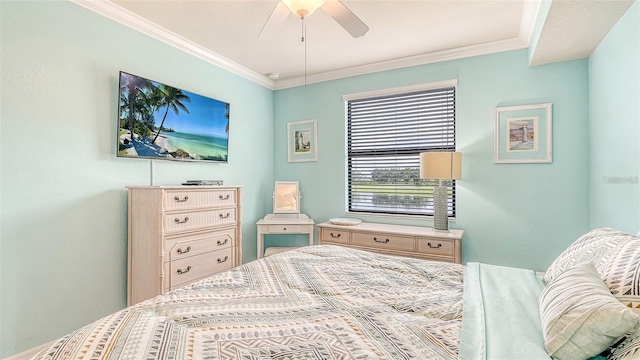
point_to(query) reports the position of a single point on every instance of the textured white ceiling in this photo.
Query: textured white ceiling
(402, 33)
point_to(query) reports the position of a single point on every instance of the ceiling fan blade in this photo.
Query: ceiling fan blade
(276, 19)
(347, 19)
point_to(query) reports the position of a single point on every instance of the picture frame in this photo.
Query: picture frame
(302, 140)
(523, 134)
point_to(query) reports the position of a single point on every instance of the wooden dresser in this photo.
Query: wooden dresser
(180, 234)
(414, 241)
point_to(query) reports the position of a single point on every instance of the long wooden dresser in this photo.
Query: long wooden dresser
(413, 241)
(180, 234)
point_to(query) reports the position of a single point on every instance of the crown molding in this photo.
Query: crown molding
(129, 19)
(528, 22)
(133, 21)
(440, 56)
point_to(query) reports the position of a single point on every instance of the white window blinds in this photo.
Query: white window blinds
(385, 136)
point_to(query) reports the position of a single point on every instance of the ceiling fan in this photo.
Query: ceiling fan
(303, 8)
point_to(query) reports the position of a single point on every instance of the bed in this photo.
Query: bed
(331, 302)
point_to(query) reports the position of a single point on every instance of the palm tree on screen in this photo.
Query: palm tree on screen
(134, 97)
(173, 99)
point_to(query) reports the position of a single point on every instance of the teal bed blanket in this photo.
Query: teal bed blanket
(500, 319)
(500, 314)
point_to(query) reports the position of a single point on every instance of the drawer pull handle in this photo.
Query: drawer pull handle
(220, 243)
(225, 216)
(177, 198)
(434, 247)
(180, 271)
(180, 251)
(380, 241)
(220, 261)
(225, 197)
(335, 236)
(178, 221)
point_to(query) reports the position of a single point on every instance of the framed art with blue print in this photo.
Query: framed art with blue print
(523, 134)
(302, 141)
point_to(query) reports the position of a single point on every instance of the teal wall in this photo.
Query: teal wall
(63, 230)
(614, 106)
(63, 202)
(513, 214)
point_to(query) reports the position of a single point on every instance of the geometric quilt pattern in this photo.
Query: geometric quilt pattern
(317, 302)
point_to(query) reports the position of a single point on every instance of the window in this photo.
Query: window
(386, 132)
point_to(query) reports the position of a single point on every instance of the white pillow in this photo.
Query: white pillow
(580, 317)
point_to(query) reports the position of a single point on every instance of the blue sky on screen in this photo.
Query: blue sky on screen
(206, 117)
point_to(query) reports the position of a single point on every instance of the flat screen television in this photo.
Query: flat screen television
(158, 121)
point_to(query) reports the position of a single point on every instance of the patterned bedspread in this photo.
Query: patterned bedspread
(319, 302)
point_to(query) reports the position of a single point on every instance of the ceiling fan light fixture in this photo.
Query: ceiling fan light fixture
(303, 8)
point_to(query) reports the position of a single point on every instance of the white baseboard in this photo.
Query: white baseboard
(29, 353)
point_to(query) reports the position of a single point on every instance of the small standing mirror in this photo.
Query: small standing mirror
(286, 198)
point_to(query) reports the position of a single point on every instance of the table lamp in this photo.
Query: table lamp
(440, 165)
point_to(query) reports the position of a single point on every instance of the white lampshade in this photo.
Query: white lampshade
(303, 8)
(441, 165)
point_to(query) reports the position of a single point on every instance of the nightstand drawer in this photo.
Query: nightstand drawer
(383, 241)
(334, 236)
(283, 229)
(179, 247)
(195, 267)
(198, 219)
(401, 240)
(436, 246)
(186, 199)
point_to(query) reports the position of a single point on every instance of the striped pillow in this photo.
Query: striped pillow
(591, 246)
(620, 270)
(629, 349)
(580, 317)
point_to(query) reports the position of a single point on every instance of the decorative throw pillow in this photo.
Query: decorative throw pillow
(580, 317)
(629, 349)
(591, 246)
(620, 270)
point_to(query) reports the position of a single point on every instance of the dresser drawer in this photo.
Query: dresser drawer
(195, 267)
(187, 199)
(188, 220)
(283, 229)
(382, 241)
(186, 228)
(179, 247)
(436, 246)
(334, 236)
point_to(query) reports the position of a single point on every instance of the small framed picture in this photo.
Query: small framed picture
(302, 139)
(522, 134)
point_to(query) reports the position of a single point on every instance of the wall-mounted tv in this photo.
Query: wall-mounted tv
(158, 121)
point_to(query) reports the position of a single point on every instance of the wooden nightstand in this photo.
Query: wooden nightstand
(301, 224)
(414, 241)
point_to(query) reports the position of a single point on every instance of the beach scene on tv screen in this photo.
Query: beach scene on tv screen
(160, 121)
